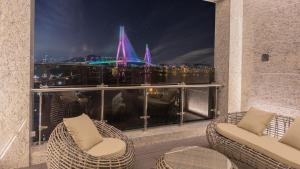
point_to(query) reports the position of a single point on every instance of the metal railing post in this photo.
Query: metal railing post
(182, 98)
(102, 103)
(40, 116)
(216, 103)
(182, 101)
(145, 115)
(145, 109)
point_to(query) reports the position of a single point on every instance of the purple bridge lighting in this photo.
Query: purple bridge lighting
(147, 58)
(126, 53)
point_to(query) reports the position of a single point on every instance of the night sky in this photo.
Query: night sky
(177, 31)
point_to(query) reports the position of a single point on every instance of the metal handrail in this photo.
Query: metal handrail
(47, 89)
(102, 88)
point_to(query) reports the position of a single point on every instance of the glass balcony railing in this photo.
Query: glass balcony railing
(125, 107)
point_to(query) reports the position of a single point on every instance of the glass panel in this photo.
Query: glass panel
(163, 106)
(198, 104)
(35, 118)
(123, 109)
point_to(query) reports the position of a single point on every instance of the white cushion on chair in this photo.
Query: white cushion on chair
(83, 131)
(109, 147)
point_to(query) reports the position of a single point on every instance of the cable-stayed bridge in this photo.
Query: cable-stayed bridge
(126, 54)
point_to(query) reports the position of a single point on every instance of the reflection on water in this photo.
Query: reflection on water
(67, 74)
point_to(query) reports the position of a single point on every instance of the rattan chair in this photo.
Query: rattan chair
(63, 153)
(241, 153)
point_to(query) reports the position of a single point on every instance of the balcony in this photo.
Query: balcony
(158, 125)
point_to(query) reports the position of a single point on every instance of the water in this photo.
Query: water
(85, 75)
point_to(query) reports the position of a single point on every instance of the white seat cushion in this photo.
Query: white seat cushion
(83, 131)
(266, 145)
(109, 147)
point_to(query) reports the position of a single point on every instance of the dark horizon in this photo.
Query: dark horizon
(176, 31)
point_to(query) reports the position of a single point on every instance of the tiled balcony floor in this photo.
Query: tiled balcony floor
(146, 156)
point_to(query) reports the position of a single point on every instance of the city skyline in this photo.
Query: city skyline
(176, 32)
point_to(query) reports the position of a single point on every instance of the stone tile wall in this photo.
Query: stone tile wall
(267, 27)
(271, 27)
(15, 44)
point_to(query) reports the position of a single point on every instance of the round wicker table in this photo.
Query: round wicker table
(194, 157)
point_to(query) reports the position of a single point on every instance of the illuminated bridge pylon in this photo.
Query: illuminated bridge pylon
(125, 53)
(147, 58)
(121, 60)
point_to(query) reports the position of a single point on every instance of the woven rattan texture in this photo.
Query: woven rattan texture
(63, 153)
(241, 153)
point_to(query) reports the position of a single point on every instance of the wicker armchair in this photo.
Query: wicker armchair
(63, 152)
(241, 153)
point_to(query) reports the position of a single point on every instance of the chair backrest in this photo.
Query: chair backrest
(235, 118)
(277, 127)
